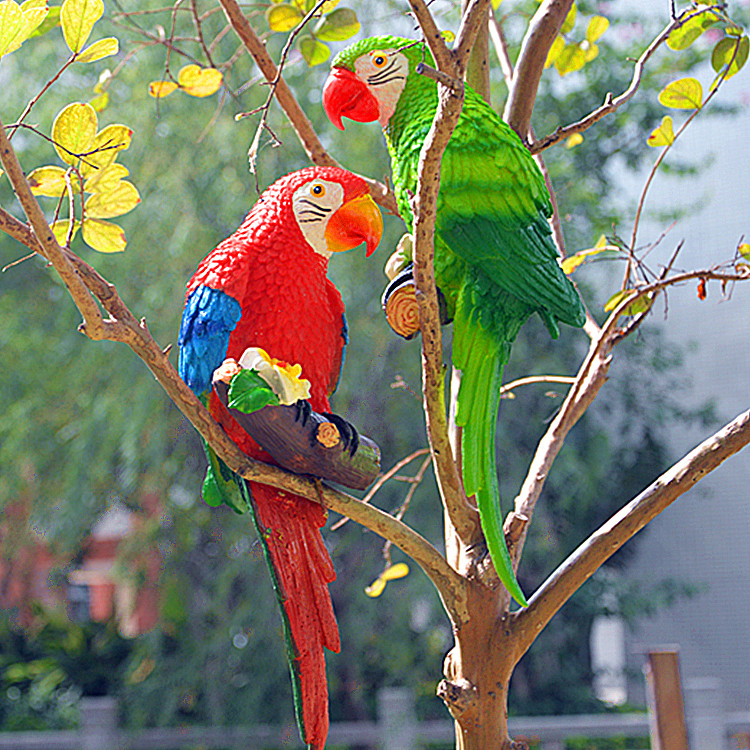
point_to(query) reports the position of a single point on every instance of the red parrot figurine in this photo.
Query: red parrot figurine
(266, 287)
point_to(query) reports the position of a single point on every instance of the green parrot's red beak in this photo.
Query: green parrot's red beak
(357, 221)
(344, 95)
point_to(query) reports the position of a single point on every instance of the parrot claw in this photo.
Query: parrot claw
(348, 432)
(303, 411)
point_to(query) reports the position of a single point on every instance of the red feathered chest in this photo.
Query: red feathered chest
(289, 307)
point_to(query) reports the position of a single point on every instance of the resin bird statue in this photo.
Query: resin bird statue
(265, 291)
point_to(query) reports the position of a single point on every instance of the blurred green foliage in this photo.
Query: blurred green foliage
(85, 425)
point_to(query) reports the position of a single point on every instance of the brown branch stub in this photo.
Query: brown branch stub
(603, 543)
(460, 698)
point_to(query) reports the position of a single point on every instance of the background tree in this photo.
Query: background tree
(77, 428)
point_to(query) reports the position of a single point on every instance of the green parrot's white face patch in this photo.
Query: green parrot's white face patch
(313, 204)
(384, 73)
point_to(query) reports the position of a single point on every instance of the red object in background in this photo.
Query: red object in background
(31, 572)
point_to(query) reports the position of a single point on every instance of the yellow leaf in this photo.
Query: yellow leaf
(312, 50)
(554, 51)
(109, 141)
(572, 262)
(100, 101)
(571, 58)
(596, 28)
(687, 93)
(376, 588)
(573, 140)
(591, 50)
(123, 198)
(399, 570)
(77, 18)
(198, 81)
(104, 236)
(496, 4)
(18, 22)
(49, 181)
(73, 131)
(283, 17)
(60, 229)
(105, 180)
(744, 250)
(98, 50)
(663, 135)
(570, 20)
(160, 89)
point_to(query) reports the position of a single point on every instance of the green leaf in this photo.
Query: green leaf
(663, 135)
(312, 50)
(211, 493)
(640, 305)
(17, 23)
(100, 101)
(51, 21)
(73, 131)
(683, 36)
(596, 28)
(50, 181)
(77, 18)
(283, 17)
(744, 250)
(123, 198)
(248, 392)
(337, 26)
(730, 55)
(686, 93)
(570, 20)
(104, 236)
(98, 50)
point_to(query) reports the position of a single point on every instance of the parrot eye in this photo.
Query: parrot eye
(378, 59)
(318, 190)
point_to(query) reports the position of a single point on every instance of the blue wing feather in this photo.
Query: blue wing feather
(209, 317)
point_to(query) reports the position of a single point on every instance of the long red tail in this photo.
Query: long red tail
(289, 527)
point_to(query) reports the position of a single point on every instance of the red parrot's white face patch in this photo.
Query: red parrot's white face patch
(384, 73)
(313, 204)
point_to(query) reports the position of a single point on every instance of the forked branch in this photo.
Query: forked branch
(604, 542)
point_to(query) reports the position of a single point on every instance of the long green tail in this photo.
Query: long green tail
(481, 358)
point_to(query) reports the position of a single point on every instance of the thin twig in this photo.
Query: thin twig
(382, 479)
(298, 119)
(612, 103)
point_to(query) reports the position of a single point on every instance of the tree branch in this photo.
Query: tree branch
(603, 543)
(543, 28)
(610, 103)
(450, 101)
(590, 378)
(298, 119)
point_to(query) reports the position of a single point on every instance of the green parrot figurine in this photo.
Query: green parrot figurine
(495, 260)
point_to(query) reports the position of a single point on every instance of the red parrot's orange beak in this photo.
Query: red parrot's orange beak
(344, 95)
(357, 221)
